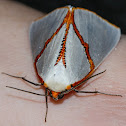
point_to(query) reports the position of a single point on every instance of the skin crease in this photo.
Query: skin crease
(24, 109)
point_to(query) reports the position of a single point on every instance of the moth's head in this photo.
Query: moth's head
(56, 95)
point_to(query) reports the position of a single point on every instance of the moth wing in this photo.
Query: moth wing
(100, 35)
(42, 29)
(77, 64)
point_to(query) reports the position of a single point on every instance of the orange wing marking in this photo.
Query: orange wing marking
(67, 20)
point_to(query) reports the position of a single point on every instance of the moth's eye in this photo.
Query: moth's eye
(60, 96)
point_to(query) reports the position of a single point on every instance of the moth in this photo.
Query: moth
(68, 45)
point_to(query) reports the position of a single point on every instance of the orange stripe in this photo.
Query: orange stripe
(86, 46)
(83, 43)
(63, 49)
(46, 43)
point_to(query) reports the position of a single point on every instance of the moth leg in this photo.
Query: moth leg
(26, 91)
(46, 103)
(95, 92)
(23, 78)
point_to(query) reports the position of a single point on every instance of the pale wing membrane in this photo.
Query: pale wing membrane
(101, 36)
(53, 76)
(77, 64)
(48, 58)
(41, 30)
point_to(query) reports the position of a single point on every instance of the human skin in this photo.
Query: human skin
(24, 109)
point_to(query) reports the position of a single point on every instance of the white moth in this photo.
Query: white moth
(68, 45)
